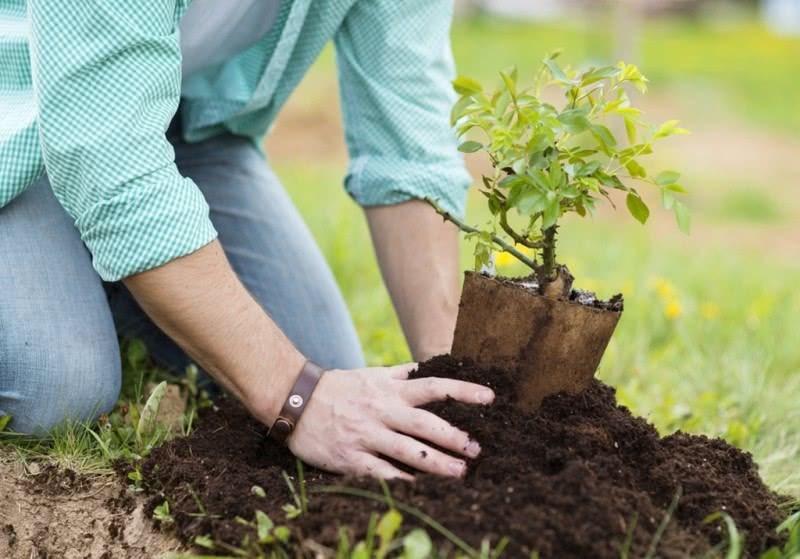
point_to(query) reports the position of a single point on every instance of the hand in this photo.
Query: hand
(356, 416)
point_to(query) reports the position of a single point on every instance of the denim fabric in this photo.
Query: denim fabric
(59, 355)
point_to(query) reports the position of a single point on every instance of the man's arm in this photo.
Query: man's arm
(418, 255)
(199, 302)
(395, 68)
(354, 418)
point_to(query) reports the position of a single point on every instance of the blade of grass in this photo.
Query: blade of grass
(354, 492)
(651, 551)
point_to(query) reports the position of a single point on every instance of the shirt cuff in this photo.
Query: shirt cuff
(152, 221)
(381, 181)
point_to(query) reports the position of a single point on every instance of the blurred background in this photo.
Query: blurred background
(710, 339)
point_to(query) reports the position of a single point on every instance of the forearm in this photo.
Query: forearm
(418, 256)
(199, 302)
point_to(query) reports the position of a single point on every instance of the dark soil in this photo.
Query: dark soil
(577, 296)
(53, 480)
(570, 480)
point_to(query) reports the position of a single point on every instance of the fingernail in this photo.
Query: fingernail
(473, 449)
(485, 396)
(457, 468)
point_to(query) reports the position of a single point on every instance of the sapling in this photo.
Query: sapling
(548, 161)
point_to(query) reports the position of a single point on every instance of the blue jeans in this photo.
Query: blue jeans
(59, 322)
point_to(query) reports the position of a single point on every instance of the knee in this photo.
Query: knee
(72, 381)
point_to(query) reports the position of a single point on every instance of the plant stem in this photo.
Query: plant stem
(519, 239)
(549, 255)
(495, 239)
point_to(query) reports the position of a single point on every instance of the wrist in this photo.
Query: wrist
(266, 395)
(435, 333)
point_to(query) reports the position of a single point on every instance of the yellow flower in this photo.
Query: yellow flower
(663, 288)
(709, 311)
(673, 309)
(504, 259)
(763, 305)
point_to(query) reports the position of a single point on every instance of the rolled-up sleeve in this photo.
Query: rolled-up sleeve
(395, 67)
(106, 81)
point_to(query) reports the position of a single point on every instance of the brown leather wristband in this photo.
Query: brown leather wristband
(296, 401)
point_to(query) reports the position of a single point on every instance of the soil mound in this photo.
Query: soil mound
(581, 477)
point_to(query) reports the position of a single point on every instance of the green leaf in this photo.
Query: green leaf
(667, 177)
(147, 420)
(417, 545)
(459, 108)
(510, 181)
(4, 422)
(538, 178)
(556, 71)
(470, 146)
(637, 207)
(575, 120)
(466, 86)
(552, 211)
(669, 128)
(635, 169)
(530, 202)
(387, 528)
(587, 169)
(510, 82)
(360, 551)
(598, 74)
(604, 135)
(204, 541)
(667, 199)
(258, 491)
(682, 217)
(556, 175)
(161, 512)
(282, 533)
(630, 129)
(264, 525)
(675, 188)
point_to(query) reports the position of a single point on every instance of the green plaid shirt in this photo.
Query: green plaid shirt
(88, 88)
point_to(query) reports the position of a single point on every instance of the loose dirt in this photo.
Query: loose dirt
(49, 513)
(578, 478)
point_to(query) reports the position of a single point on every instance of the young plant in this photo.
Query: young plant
(548, 161)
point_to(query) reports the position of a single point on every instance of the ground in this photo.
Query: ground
(47, 513)
(709, 340)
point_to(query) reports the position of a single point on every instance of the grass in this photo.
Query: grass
(709, 341)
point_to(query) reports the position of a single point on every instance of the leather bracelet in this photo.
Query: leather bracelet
(296, 402)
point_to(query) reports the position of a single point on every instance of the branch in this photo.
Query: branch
(519, 239)
(468, 229)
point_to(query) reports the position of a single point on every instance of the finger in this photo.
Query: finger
(401, 372)
(419, 456)
(424, 425)
(422, 391)
(369, 465)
